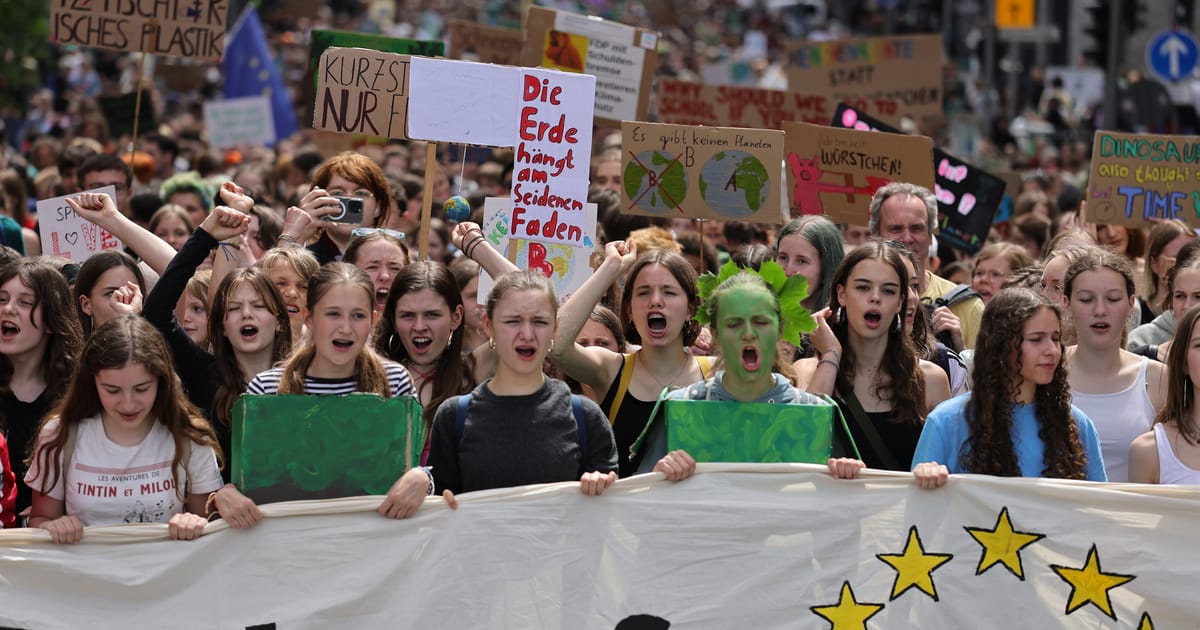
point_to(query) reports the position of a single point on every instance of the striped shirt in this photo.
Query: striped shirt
(268, 382)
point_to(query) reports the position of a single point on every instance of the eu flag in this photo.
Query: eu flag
(250, 70)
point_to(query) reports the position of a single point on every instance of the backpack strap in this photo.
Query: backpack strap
(68, 452)
(960, 293)
(460, 417)
(858, 416)
(623, 380)
(706, 366)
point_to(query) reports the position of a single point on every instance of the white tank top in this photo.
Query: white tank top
(1119, 418)
(1170, 469)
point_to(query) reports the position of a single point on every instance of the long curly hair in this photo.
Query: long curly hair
(119, 342)
(452, 375)
(902, 382)
(231, 382)
(996, 373)
(60, 321)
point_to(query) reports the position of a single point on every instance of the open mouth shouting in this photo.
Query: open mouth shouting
(381, 296)
(9, 330)
(342, 345)
(873, 319)
(751, 360)
(420, 345)
(656, 323)
(293, 310)
(527, 352)
(249, 332)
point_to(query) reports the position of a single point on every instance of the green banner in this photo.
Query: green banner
(721, 431)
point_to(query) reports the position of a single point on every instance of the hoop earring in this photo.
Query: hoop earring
(551, 344)
(492, 343)
(837, 315)
(899, 325)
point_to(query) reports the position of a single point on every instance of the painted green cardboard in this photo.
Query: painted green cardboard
(292, 447)
(722, 431)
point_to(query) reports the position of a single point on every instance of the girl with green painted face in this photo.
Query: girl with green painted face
(745, 313)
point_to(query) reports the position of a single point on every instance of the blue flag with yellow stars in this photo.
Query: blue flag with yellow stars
(250, 70)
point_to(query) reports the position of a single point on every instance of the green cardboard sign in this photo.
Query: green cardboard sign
(291, 447)
(725, 431)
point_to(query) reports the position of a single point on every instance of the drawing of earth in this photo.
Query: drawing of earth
(734, 184)
(656, 181)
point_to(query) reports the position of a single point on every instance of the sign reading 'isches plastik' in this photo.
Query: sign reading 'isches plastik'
(701, 172)
(904, 69)
(179, 28)
(361, 91)
(836, 171)
(1136, 178)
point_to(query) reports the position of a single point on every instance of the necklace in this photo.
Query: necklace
(421, 377)
(670, 384)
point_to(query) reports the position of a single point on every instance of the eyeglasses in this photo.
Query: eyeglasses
(366, 231)
(120, 186)
(358, 194)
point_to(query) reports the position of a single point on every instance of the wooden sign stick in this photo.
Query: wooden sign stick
(427, 200)
(137, 105)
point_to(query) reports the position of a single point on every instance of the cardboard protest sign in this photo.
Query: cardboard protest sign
(836, 171)
(463, 102)
(486, 44)
(1138, 177)
(291, 447)
(239, 121)
(893, 76)
(690, 103)
(362, 91)
(183, 76)
(65, 233)
(119, 112)
(701, 172)
(553, 146)
(567, 266)
(178, 28)
(968, 197)
(322, 40)
(622, 58)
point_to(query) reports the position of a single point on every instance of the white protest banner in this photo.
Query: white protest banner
(553, 148)
(179, 28)
(239, 121)
(735, 546)
(567, 266)
(69, 235)
(463, 102)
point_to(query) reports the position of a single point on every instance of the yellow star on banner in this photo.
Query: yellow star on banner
(1002, 544)
(914, 567)
(847, 614)
(1090, 585)
(1146, 623)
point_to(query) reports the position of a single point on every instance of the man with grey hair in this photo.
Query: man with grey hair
(908, 213)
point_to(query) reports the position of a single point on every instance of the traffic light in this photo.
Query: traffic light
(1098, 30)
(1184, 10)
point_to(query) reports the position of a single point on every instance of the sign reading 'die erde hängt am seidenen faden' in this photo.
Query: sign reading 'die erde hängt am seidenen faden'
(550, 167)
(1137, 178)
(179, 28)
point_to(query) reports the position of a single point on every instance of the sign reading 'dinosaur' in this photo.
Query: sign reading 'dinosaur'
(836, 171)
(622, 58)
(179, 28)
(701, 172)
(65, 233)
(906, 69)
(1137, 178)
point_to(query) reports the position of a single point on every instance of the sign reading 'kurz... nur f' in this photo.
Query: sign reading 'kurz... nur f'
(178, 28)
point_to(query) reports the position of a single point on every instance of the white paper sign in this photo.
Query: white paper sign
(614, 58)
(463, 102)
(567, 266)
(553, 148)
(69, 235)
(239, 121)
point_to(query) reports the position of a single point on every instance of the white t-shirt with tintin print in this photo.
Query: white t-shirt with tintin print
(110, 484)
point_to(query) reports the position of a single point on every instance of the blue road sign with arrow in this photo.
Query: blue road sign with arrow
(1172, 55)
